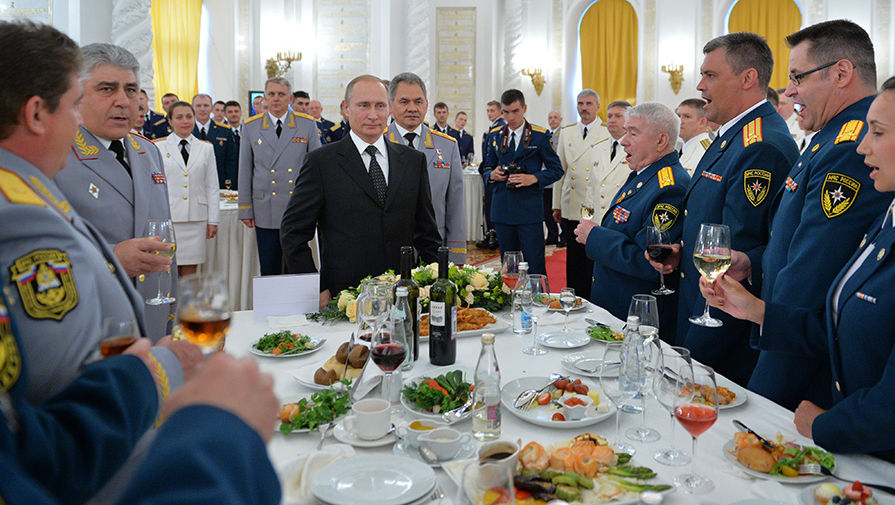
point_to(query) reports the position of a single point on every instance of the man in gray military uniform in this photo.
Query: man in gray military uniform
(116, 180)
(271, 153)
(64, 277)
(407, 100)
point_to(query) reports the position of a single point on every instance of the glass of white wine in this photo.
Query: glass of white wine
(712, 258)
(204, 310)
(588, 207)
(164, 230)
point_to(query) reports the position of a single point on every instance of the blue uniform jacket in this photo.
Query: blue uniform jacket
(494, 124)
(226, 152)
(859, 344)
(335, 132)
(827, 199)
(734, 184)
(323, 126)
(156, 124)
(464, 142)
(651, 198)
(534, 150)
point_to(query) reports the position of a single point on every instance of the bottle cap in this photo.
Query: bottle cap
(487, 338)
(401, 291)
(523, 264)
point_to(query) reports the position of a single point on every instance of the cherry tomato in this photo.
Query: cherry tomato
(558, 417)
(543, 398)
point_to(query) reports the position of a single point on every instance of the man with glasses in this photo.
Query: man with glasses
(826, 204)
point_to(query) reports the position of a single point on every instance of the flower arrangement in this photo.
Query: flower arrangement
(476, 287)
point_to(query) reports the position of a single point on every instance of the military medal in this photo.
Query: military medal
(865, 297)
(620, 214)
(259, 142)
(93, 190)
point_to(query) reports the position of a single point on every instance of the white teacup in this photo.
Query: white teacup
(371, 419)
(501, 452)
(411, 431)
(444, 442)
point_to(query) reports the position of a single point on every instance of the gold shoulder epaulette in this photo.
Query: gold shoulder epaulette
(666, 177)
(752, 132)
(160, 121)
(207, 142)
(141, 136)
(253, 118)
(302, 114)
(222, 125)
(442, 135)
(492, 130)
(16, 190)
(705, 143)
(539, 129)
(160, 139)
(850, 131)
(335, 127)
(569, 125)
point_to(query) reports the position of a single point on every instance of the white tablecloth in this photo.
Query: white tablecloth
(234, 252)
(731, 485)
(473, 188)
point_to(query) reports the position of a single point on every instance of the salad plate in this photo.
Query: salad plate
(421, 403)
(729, 453)
(542, 415)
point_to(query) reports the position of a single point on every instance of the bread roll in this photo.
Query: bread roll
(358, 356)
(342, 353)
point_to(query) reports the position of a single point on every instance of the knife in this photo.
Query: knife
(742, 427)
(350, 346)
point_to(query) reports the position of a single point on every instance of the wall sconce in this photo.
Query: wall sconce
(537, 78)
(675, 76)
(281, 63)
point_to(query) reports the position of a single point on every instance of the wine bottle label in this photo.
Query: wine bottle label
(454, 322)
(436, 313)
(493, 412)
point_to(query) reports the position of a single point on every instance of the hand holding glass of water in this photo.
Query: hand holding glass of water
(712, 258)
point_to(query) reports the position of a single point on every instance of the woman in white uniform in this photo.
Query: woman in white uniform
(192, 187)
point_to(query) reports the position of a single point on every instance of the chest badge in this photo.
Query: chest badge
(837, 194)
(620, 215)
(45, 283)
(879, 256)
(93, 190)
(791, 185)
(757, 184)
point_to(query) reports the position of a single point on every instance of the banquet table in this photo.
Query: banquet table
(473, 189)
(730, 484)
(234, 252)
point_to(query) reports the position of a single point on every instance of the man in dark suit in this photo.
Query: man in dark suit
(489, 241)
(464, 140)
(364, 196)
(226, 150)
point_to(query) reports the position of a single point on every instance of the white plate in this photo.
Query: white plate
(375, 480)
(541, 414)
(498, 326)
(559, 340)
(346, 436)
(317, 341)
(467, 377)
(305, 377)
(728, 451)
(411, 451)
(591, 359)
(574, 309)
(740, 392)
(806, 496)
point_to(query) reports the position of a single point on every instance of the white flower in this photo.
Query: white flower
(470, 298)
(506, 289)
(424, 292)
(344, 298)
(433, 267)
(351, 310)
(479, 281)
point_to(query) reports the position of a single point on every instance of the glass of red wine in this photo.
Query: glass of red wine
(388, 350)
(658, 248)
(509, 268)
(696, 409)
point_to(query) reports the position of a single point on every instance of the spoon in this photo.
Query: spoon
(428, 456)
(452, 416)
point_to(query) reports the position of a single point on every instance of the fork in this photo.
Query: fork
(816, 469)
(323, 434)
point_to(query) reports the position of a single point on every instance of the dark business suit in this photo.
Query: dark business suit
(226, 152)
(334, 195)
(464, 142)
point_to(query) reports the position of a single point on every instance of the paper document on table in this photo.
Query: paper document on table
(285, 295)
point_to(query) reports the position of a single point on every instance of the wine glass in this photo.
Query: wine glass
(643, 360)
(669, 386)
(485, 483)
(712, 258)
(696, 417)
(567, 300)
(374, 303)
(388, 350)
(509, 268)
(646, 309)
(204, 310)
(118, 335)
(588, 208)
(164, 230)
(658, 248)
(540, 302)
(617, 386)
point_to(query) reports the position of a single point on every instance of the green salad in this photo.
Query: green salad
(323, 407)
(794, 455)
(439, 394)
(284, 343)
(605, 333)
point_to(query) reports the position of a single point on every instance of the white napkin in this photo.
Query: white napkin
(287, 322)
(297, 475)
(772, 490)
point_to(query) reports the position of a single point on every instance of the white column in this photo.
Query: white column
(417, 40)
(132, 29)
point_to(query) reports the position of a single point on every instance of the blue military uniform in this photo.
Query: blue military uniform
(733, 184)
(464, 143)
(518, 214)
(157, 127)
(486, 196)
(335, 132)
(323, 126)
(827, 196)
(226, 152)
(651, 198)
(856, 334)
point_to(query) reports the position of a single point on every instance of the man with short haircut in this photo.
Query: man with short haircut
(734, 184)
(441, 113)
(651, 196)
(259, 105)
(464, 140)
(234, 118)
(273, 147)
(694, 132)
(489, 241)
(519, 164)
(789, 115)
(580, 152)
(554, 121)
(554, 231)
(773, 97)
(153, 121)
(217, 112)
(315, 109)
(168, 99)
(613, 163)
(226, 150)
(364, 196)
(300, 101)
(116, 180)
(408, 105)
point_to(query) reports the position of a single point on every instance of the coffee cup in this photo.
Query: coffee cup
(371, 419)
(411, 432)
(444, 442)
(500, 452)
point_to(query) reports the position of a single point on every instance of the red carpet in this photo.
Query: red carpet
(556, 269)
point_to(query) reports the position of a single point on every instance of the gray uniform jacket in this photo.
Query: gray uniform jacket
(120, 206)
(446, 184)
(64, 280)
(269, 166)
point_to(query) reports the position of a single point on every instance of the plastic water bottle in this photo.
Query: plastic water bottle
(522, 302)
(486, 395)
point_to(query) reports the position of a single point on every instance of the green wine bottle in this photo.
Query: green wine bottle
(413, 299)
(443, 315)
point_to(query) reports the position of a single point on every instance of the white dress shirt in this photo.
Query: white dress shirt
(381, 153)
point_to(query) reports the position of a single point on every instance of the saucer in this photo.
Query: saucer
(468, 450)
(346, 436)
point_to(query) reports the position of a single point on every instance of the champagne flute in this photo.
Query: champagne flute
(388, 351)
(658, 248)
(164, 230)
(669, 386)
(712, 258)
(643, 359)
(204, 310)
(509, 268)
(615, 383)
(696, 418)
(540, 302)
(567, 300)
(588, 207)
(118, 335)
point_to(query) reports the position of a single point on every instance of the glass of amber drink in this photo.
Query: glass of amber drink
(204, 310)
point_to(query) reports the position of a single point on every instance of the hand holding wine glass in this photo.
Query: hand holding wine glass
(659, 249)
(118, 335)
(164, 230)
(711, 255)
(204, 311)
(696, 417)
